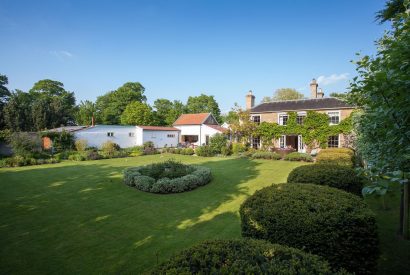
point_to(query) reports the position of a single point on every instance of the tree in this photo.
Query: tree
(4, 97)
(203, 104)
(111, 105)
(137, 113)
(287, 94)
(391, 10)
(383, 129)
(17, 112)
(341, 96)
(85, 113)
(168, 111)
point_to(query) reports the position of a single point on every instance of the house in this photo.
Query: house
(196, 129)
(277, 111)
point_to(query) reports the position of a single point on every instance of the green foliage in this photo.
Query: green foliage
(391, 10)
(5, 135)
(266, 155)
(85, 112)
(135, 151)
(226, 150)
(242, 257)
(4, 98)
(337, 176)
(149, 148)
(217, 142)
(24, 144)
(337, 156)
(287, 94)
(203, 104)
(296, 156)
(111, 105)
(167, 177)
(167, 111)
(137, 113)
(81, 144)
(109, 148)
(61, 140)
(181, 151)
(321, 220)
(204, 151)
(238, 148)
(17, 161)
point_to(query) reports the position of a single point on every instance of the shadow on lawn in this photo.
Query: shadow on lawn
(86, 205)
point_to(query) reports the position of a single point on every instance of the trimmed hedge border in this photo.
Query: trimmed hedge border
(196, 176)
(296, 156)
(339, 156)
(337, 176)
(242, 257)
(321, 220)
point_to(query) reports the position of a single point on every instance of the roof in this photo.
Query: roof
(192, 119)
(301, 104)
(67, 129)
(158, 128)
(217, 127)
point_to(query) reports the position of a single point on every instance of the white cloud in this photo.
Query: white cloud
(61, 54)
(332, 79)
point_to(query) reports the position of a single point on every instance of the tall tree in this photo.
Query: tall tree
(4, 97)
(391, 10)
(17, 112)
(168, 111)
(85, 111)
(341, 96)
(137, 113)
(287, 94)
(203, 104)
(111, 105)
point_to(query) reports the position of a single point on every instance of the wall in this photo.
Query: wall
(161, 139)
(97, 135)
(197, 130)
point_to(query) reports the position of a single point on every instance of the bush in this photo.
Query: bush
(18, 161)
(217, 142)
(226, 151)
(204, 151)
(109, 148)
(149, 148)
(238, 148)
(242, 257)
(167, 177)
(318, 219)
(81, 145)
(187, 151)
(135, 151)
(76, 157)
(25, 144)
(337, 176)
(339, 156)
(295, 156)
(265, 155)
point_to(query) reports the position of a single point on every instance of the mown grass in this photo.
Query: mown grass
(78, 217)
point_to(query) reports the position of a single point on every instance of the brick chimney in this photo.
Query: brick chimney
(313, 89)
(250, 100)
(320, 93)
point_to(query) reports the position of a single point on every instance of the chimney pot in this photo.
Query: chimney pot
(313, 88)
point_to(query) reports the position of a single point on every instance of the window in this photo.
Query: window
(299, 119)
(131, 134)
(171, 135)
(334, 117)
(283, 119)
(333, 142)
(282, 141)
(256, 119)
(256, 141)
(110, 134)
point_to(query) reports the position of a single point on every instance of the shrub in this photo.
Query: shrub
(18, 161)
(238, 148)
(149, 148)
(336, 176)
(135, 151)
(187, 151)
(167, 177)
(109, 148)
(296, 156)
(339, 156)
(265, 155)
(226, 151)
(217, 142)
(64, 155)
(319, 219)
(76, 157)
(25, 144)
(81, 145)
(242, 257)
(204, 151)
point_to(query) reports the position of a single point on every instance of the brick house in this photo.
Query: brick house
(277, 111)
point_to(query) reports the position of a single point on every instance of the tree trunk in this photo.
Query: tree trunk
(406, 197)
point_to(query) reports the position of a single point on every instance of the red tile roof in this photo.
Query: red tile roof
(191, 119)
(158, 128)
(217, 127)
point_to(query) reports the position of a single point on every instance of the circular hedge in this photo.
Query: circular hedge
(318, 219)
(337, 176)
(167, 177)
(242, 257)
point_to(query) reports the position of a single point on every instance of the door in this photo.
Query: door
(301, 146)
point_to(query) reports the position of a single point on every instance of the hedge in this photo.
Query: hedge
(242, 257)
(181, 151)
(265, 155)
(296, 156)
(338, 156)
(204, 151)
(321, 220)
(337, 176)
(167, 177)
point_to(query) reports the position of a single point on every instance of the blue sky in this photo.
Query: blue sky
(181, 48)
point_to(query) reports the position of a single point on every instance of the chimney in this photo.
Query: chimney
(313, 88)
(320, 94)
(250, 100)
(92, 121)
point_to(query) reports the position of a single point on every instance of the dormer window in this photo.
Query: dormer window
(334, 117)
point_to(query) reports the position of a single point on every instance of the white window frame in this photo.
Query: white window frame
(303, 114)
(253, 118)
(338, 113)
(281, 115)
(282, 141)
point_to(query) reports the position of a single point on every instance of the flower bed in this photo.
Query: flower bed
(167, 177)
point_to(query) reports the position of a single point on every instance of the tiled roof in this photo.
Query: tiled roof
(301, 104)
(217, 127)
(158, 128)
(191, 119)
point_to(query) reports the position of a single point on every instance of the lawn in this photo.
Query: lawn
(78, 217)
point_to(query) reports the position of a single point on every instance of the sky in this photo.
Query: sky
(182, 48)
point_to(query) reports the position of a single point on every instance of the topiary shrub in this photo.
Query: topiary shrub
(338, 156)
(167, 177)
(204, 151)
(337, 176)
(265, 155)
(321, 220)
(296, 156)
(242, 257)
